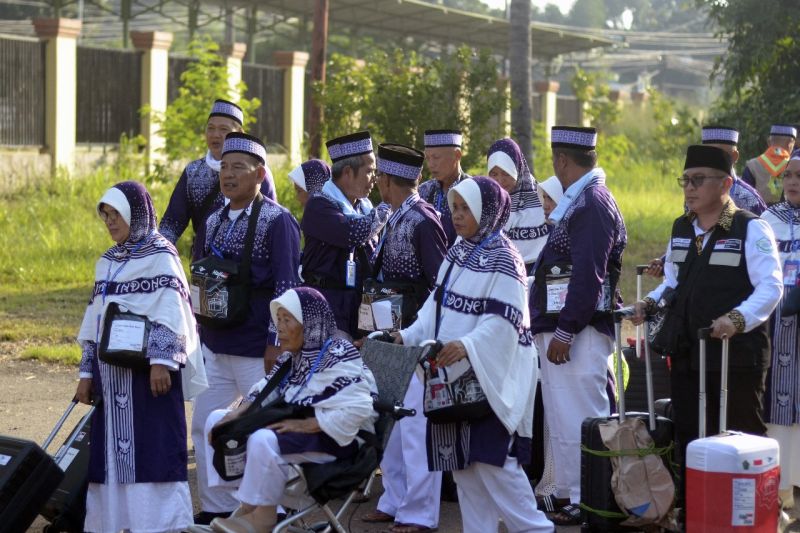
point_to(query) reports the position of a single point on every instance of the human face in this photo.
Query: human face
(503, 178)
(356, 185)
(791, 183)
(115, 224)
(443, 161)
(216, 130)
(384, 187)
(548, 204)
(560, 164)
(300, 194)
(463, 220)
(240, 177)
(290, 331)
(782, 141)
(704, 188)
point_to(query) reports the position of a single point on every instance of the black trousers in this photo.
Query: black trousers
(745, 403)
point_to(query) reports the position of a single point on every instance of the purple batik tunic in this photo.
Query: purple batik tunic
(431, 192)
(273, 270)
(746, 197)
(195, 184)
(415, 244)
(590, 237)
(330, 237)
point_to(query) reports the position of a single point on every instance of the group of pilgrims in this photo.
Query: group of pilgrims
(516, 277)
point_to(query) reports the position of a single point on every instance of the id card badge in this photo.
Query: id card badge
(604, 302)
(557, 286)
(791, 273)
(194, 292)
(350, 273)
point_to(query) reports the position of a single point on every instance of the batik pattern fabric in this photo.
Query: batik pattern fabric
(415, 243)
(746, 197)
(782, 400)
(431, 191)
(273, 270)
(335, 382)
(526, 226)
(591, 236)
(197, 181)
(484, 307)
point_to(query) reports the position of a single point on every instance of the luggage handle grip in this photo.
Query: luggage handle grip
(641, 268)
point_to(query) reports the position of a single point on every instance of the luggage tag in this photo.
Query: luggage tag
(557, 284)
(194, 293)
(791, 273)
(350, 272)
(604, 302)
(366, 321)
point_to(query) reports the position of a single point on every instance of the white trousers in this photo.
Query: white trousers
(411, 492)
(488, 493)
(266, 471)
(572, 392)
(229, 378)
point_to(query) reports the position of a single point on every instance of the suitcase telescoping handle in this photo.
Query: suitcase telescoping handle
(703, 334)
(618, 316)
(639, 329)
(77, 431)
(648, 372)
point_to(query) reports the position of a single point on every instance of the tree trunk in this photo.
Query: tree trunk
(519, 54)
(319, 41)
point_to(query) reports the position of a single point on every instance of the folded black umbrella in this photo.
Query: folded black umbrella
(791, 305)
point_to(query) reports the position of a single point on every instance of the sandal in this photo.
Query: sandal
(550, 504)
(237, 524)
(409, 528)
(569, 515)
(377, 517)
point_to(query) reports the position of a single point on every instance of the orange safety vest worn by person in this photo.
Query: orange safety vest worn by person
(764, 172)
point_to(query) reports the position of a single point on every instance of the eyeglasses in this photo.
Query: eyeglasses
(113, 216)
(696, 181)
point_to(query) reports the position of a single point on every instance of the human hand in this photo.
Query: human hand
(84, 392)
(398, 339)
(296, 425)
(723, 327)
(558, 352)
(452, 352)
(655, 268)
(160, 380)
(639, 313)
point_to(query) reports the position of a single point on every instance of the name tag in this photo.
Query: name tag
(725, 258)
(678, 242)
(126, 335)
(791, 273)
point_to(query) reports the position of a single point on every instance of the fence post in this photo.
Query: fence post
(155, 73)
(548, 91)
(60, 100)
(234, 53)
(294, 79)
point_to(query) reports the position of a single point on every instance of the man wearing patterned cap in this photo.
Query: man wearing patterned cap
(308, 178)
(764, 172)
(341, 227)
(406, 261)
(443, 155)
(250, 234)
(722, 263)
(197, 193)
(573, 295)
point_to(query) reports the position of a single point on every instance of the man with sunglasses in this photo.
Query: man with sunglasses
(722, 263)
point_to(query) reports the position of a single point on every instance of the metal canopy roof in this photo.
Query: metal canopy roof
(423, 20)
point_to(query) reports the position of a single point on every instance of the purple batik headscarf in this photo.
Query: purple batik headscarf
(489, 203)
(311, 175)
(507, 155)
(312, 310)
(133, 202)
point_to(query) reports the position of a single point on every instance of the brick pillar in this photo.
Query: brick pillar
(294, 79)
(60, 99)
(619, 97)
(234, 53)
(155, 73)
(639, 98)
(547, 91)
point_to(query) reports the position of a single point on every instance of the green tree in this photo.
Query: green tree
(588, 13)
(206, 79)
(760, 74)
(592, 90)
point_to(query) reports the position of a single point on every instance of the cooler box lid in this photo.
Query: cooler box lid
(736, 453)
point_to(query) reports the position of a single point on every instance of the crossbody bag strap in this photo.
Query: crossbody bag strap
(250, 236)
(271, 385)
(439, 299)
(208, 201)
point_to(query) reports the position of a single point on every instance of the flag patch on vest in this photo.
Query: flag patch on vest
(730, 245)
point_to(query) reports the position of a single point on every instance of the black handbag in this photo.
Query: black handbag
(125, 337)
(221, 287)
(665, 324)
(229, 439)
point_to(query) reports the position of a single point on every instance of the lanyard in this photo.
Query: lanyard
(475, 250)
(218, 251)
(314, 368)
(110, 279)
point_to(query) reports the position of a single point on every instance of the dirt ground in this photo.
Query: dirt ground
(36, 394)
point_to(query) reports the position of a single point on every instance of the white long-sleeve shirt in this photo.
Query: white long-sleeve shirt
(763, 268)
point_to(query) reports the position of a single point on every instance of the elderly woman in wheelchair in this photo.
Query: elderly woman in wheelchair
(322, 385)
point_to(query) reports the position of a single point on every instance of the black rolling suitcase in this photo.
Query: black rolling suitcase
(600, 509)
(66, 507)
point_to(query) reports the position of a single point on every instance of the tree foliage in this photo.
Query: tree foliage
(592, 90)
(398, 95)
(206, 79)
(760, 74)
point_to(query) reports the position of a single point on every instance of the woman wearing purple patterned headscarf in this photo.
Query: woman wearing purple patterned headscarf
(526, 225)
(326, 373)
(479, 312)
(138, 455)
(308, 178)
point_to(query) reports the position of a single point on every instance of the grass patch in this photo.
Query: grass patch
(67, 354)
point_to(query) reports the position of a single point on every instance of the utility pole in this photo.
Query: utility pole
(319, 42)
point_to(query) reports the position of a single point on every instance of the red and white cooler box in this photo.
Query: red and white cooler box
(732, 484)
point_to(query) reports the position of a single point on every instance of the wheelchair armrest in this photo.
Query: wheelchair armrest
(395, 410)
